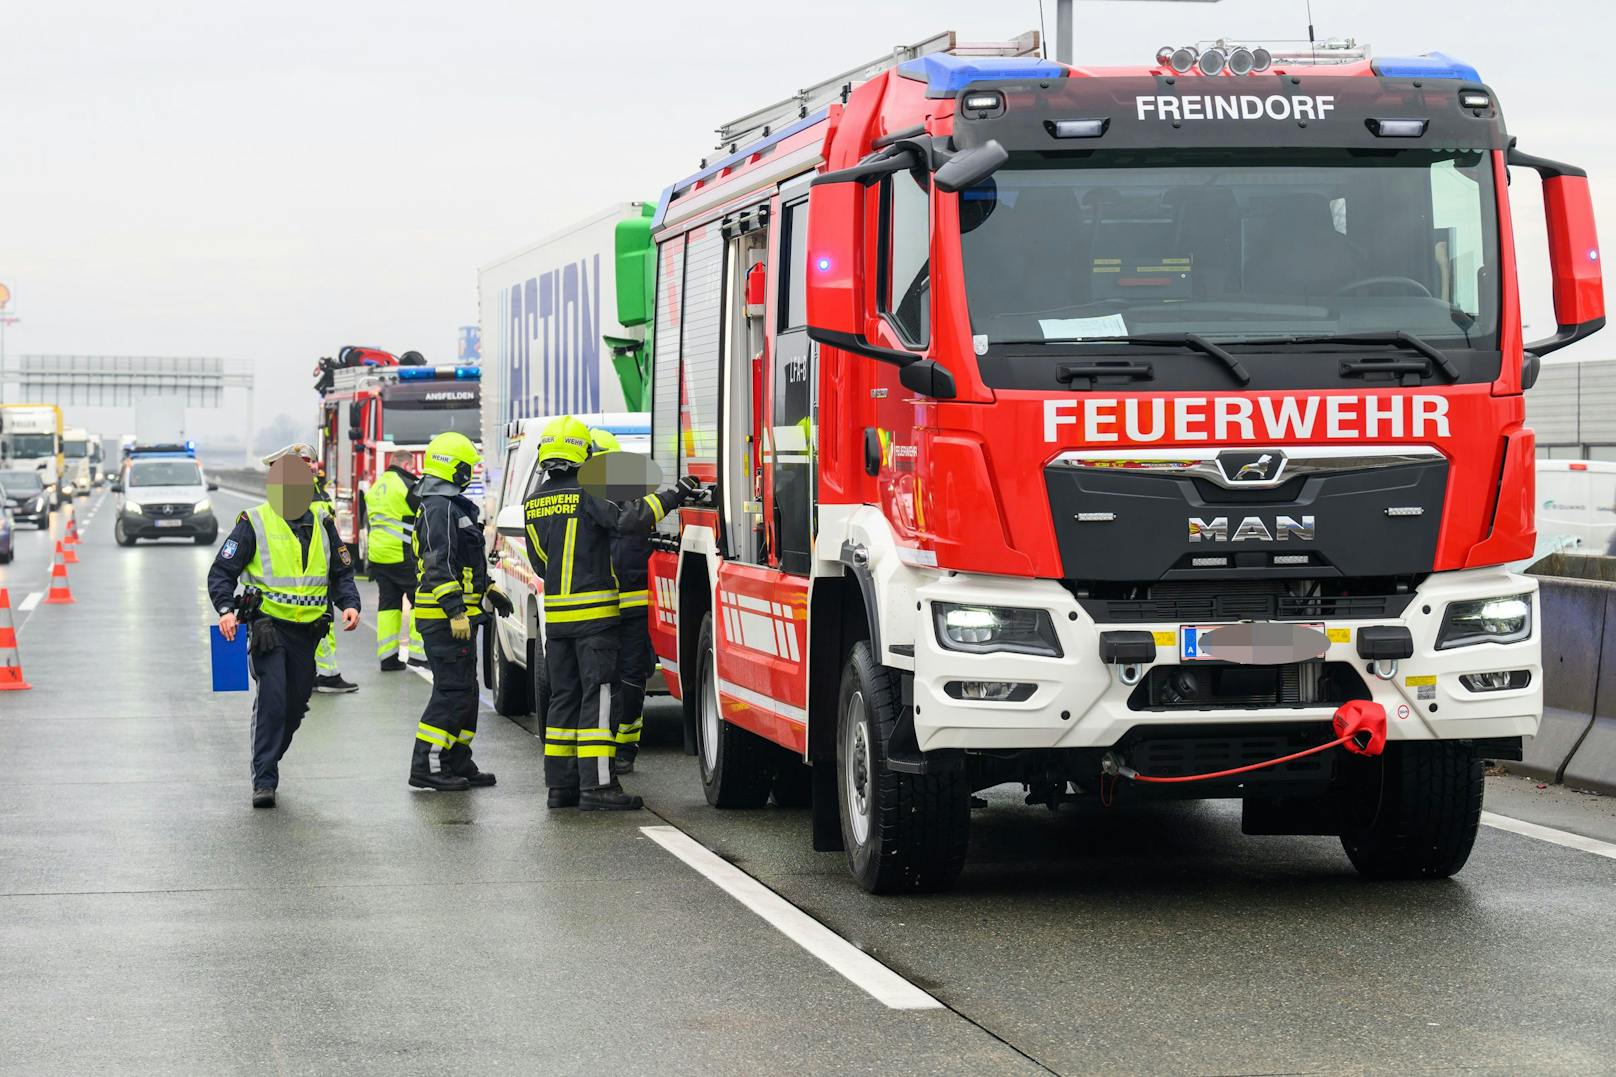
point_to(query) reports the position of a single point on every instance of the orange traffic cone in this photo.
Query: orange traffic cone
(10, 658)
(59, 592)
(70, 552)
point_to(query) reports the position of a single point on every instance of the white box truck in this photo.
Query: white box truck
(31, 440)
(552, 342)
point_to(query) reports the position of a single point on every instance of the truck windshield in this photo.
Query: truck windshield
(417, 426)
(1234, 245)
(25, 446)
(75, 450)
(164, 473)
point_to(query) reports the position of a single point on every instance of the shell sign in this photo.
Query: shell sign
(5, 296)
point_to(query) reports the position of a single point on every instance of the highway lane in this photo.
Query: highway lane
(364, 928)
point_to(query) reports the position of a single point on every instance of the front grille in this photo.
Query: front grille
(171, 511)
(1232, 600)
(1207, 686)
(1176, 753)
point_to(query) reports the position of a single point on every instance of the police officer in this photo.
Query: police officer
(448, 542)
(569, 539)
(328, 676)
(290, 555)
(390, 508)
(631, 559)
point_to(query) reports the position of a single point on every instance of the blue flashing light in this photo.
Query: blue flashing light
(675, 190)
(946, 74)
(1431, 65)
(822, 264)
(417, 373)
(468, 373)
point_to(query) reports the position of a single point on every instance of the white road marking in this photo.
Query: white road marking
(864, 971)
(30, 602)
(1549, 834)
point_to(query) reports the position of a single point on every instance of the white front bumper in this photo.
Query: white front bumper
(1079, 702)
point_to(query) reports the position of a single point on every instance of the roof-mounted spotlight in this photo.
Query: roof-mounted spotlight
(1182, 59)
(1261, 60)
(1164, 56)
(1213, 61)
(1241, 61)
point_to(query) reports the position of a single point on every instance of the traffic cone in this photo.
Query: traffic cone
(70, 552)
(10, 658)
(59, 593)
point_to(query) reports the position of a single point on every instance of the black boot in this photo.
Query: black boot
(393, 664)
(421, 776)
(458, 761)
(563, 798)
(608, 798)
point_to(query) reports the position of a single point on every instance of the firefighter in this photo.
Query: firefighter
(390, 508)
(453, 575)
(631, 557)
(569, 540)
(295, 568)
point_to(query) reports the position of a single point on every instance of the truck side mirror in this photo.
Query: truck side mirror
(509, 521)
(356, 415)
(1579, 289)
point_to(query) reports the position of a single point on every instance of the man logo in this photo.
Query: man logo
(1257, 469)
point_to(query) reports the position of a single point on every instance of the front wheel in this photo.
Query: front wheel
(121, 536)
(1414, 812)
(901, 832)
(509, 681)
(737, 766)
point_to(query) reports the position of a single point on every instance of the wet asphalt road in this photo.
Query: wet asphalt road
(150, 922)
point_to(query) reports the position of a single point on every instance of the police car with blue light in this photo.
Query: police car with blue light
(163, 493)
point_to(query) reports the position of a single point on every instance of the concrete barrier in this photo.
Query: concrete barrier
(1592, 764)
(1578, 661)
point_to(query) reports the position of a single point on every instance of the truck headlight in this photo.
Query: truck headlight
(983, 629)
(1504, 619)
(205, 505)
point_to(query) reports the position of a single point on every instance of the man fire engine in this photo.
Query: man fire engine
(373, 405)
(1098, 428)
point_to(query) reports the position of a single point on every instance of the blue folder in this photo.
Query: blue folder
(230, 661)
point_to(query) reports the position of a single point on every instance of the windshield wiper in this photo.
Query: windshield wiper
(1399, 338)
(1192, 341)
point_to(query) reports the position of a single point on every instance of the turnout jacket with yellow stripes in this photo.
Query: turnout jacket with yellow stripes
(570, 535)
(449, 548)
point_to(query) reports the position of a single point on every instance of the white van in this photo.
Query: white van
(1576, 506)
(513, 647)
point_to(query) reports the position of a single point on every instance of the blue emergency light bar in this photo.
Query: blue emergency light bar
(439, 373)
(1432, 65)
(166, 449)
(946, 74)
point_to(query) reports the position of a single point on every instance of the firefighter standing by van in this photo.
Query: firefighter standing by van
(390, 508)
(296, 568)
(631, 564)
(569, 540)
(453, 578)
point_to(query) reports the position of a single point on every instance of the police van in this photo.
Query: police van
(513, 646)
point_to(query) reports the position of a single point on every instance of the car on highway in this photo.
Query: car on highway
(25, 495)
(164, 495)
(7, 532)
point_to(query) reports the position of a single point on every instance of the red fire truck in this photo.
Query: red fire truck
(1072, 426)
(371, 404)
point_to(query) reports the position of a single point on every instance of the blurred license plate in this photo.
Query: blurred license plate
(169, 523)
(1189, 641)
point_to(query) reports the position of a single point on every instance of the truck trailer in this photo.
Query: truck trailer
(1107, 431)
(556, 335)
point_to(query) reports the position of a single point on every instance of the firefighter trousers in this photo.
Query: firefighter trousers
(449, 721)
(636, 663)
(579, 741)
(285, 680)
(394, 584)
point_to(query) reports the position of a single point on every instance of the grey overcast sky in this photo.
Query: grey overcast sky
(271, 181)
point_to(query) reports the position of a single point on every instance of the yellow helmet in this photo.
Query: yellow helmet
(603, 441)
(451, 457)
(564, 438)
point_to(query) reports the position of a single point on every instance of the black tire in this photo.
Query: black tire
(120, 536)
(6, 560)
(539, 681)
(912, 831)
(737, 766)
(207, 540)
(508, 681)
(793, 784)
(1413, 813)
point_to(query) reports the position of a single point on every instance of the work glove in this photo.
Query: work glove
(460, 627)
(498, 603)
(689, 484)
